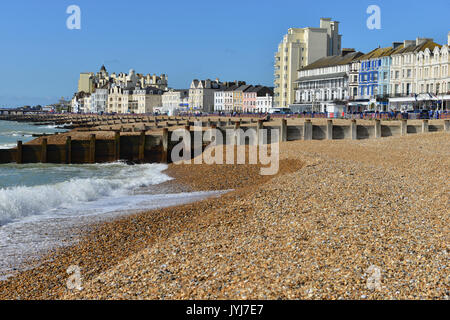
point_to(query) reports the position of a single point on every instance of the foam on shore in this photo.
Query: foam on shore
(37, 218)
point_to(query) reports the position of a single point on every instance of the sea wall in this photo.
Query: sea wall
(151, 147)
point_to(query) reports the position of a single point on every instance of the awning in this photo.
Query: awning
(331, 76)
(359, 103)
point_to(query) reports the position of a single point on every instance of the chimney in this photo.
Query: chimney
(448, 39)
(408, 43)
(324, 22)
(346, 51)
(420, 41)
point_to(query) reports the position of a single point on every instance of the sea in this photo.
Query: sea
(40, 204)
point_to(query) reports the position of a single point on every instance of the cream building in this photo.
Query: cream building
(228, 104)
(201, 94)
(89, 81)
(119, 93)
(175, 99)
(116, 100)
(301, 47)
(86, 82)
(141, 100)
(420, 76)
(404, 67)
(238, 97)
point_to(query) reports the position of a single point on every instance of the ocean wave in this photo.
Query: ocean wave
(24, 201)
(18, 133)
(7, 145)
(56, 126)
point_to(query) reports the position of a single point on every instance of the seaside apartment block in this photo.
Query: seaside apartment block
(301, 47)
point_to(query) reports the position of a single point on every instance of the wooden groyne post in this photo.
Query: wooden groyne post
(92, 148)
(353, 130)
(283, 130)
(425, 127)
(307, 130)
(69, 150)
(329, 129)
(141, 156)
(19, 153)
(117, 145)
(165, 146)
(404, 127)
(377, 129)
(44, 150)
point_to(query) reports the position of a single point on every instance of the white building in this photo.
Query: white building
(135, 100)
(142, 100)
(201, 94)
(264, 102)
(175, 99)
(420, 76)
(219, 102)
(81, 103)
(323, 86)
(99, 101)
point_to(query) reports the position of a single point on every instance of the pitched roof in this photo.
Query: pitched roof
(322, 76)
(254, 89)
(232, 88)
(421, 47)
(243, 88)
(380, 52)
(333, 61)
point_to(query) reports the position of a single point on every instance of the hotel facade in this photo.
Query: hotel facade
(323, 86)
(420, 76)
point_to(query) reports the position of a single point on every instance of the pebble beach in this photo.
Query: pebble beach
(336, 211)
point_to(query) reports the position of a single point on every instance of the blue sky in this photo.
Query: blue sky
(40, 59)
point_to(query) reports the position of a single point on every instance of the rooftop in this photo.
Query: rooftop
(333, 61)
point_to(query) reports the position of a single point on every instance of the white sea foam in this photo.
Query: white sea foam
(37, 218)
(7, 145)
(25, 134)
(24, 201)
(30, 238)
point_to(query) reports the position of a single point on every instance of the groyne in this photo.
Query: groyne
(147, 139)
